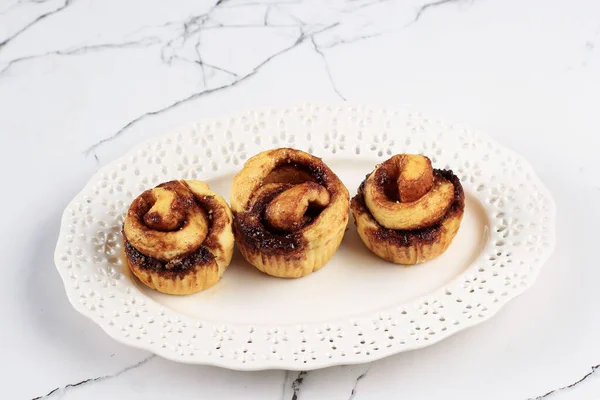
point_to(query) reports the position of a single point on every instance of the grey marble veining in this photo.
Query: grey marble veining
(81, 81)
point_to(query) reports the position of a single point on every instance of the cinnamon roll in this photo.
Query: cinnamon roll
(178, 237)
(290, 212)
(406, 211)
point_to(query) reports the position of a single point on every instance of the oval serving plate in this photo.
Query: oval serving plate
(356, 309)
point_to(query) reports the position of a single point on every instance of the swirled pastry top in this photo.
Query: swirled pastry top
(175, 219)
(285, 198)
(403, 193)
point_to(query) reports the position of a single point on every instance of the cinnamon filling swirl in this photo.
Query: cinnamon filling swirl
(290, 212)
(406, 211)
(178, 237)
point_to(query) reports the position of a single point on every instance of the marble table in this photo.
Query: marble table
(82, 81)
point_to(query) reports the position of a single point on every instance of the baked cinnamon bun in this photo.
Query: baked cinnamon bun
(290, 212)
(178, 237)
(406, 211)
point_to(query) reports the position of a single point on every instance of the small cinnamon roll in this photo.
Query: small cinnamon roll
(178, 237)
(290, 212)
(406, 211)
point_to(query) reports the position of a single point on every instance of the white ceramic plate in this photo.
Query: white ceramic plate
(358, 308)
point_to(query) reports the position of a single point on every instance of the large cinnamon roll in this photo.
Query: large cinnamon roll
(406, 211)
(290, 212)
(178, 237)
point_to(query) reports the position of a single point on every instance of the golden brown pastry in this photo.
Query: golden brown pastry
(178, 237)
(407, 212)
(290, 212)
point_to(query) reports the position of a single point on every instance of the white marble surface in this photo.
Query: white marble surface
(83, 81)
